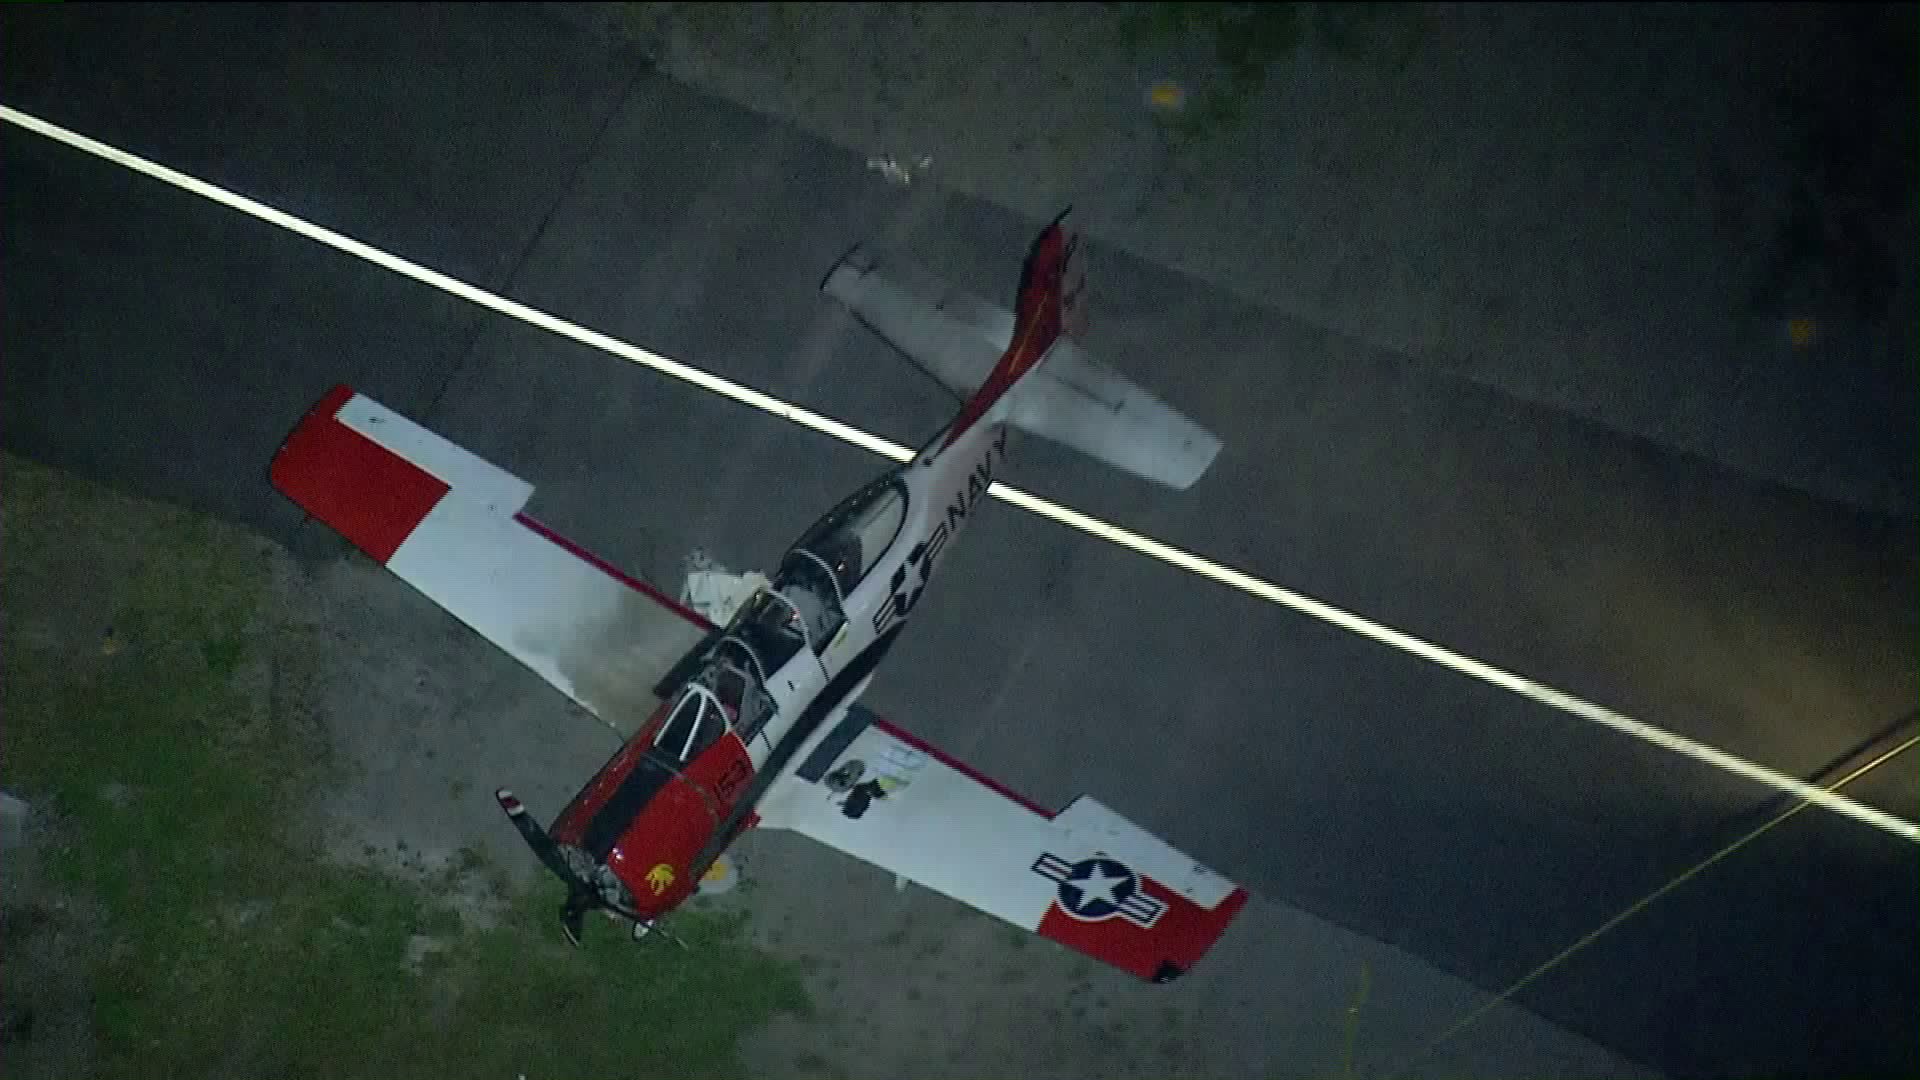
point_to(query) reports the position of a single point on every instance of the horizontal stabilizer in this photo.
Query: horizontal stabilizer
(1071, 398)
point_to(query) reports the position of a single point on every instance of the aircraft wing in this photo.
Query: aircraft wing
(1085, 877)
(453, 526)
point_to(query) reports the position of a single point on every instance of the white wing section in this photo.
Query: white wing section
(1071, 398)
(1087, 877)
(450, 524)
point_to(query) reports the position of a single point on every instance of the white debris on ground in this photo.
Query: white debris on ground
(716, 592)
(1030, 112)
(896, 170)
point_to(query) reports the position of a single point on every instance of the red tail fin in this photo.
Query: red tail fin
(1052, 289)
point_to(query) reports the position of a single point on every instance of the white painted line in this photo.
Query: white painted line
(1173, 556)
(1465, 665)
(471, 293)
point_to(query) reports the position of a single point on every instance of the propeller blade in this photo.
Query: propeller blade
(581, 897)
(536, 837)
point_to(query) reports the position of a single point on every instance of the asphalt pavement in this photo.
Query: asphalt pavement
(166, 345)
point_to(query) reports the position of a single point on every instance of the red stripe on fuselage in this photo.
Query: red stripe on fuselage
(364, 491)
(1037, 325)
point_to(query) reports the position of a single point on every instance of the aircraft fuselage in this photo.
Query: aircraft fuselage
(776, 678)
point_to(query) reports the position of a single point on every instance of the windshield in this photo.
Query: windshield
(855, 534)
(811, 588)
(731, 675)
(696, 722)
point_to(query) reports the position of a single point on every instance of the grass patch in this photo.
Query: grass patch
(140, 659)
(1246, 39)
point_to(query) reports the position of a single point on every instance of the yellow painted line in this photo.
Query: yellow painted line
(1638, 906)
(1185, 560)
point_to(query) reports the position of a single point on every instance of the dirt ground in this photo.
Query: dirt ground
(213, 877)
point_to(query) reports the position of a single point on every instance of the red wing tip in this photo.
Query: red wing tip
(330, 404)
(322, 411)
(369, 493)
(1217, 922)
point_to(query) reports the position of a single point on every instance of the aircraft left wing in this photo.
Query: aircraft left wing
(1085, 877)
(453, 526)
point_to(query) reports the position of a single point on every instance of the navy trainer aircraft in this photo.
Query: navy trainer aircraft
(756, 723)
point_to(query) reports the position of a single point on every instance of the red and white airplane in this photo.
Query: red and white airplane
(756, 722)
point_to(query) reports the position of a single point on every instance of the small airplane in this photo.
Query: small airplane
(757, 722)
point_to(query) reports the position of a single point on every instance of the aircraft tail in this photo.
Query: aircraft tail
(1052, 287)
(994, 358)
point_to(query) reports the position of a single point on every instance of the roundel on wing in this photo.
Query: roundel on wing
(1096, 888)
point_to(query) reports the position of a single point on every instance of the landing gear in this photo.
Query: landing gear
(572, 917)
(644, 928)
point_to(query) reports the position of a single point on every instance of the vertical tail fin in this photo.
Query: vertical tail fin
(1052, 301)
(1068, 397)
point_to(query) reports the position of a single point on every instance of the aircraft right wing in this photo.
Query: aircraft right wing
(1085, 877)
(453, 526)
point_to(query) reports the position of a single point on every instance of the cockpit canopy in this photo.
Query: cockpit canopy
(767, 631)
(802, 607)
(696, 722)
(853, 535)
(731, 673)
